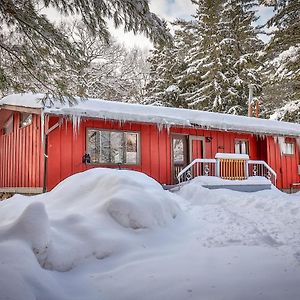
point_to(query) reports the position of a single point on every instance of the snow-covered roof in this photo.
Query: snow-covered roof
(96, 108)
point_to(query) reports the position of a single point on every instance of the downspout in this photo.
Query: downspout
(44, 138)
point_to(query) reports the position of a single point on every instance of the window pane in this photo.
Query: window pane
(237, 148)
(104, 147)
(131, 148)
(178, 150)
(91, 144)
(117, 147)
(25, 119)
(241, 147)
(112, 147)
(289, 148)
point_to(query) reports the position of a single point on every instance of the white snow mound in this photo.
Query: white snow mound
(94, 214)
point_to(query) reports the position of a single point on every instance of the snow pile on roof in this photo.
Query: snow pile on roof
(110, 234)
(97, 108)
(25, 100)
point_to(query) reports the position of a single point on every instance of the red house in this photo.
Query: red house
(40, 145)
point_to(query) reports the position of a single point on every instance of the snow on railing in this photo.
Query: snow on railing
(227, 166)
(198, 167)
(261, 168)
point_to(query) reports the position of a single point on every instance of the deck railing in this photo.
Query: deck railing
(232, 169)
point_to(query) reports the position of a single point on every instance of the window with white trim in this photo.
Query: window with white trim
(25, 119)
(113, 147)
(288, 148)
(241, 147)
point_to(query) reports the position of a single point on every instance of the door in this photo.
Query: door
(179, 155)
(196, 147)
(197, 150)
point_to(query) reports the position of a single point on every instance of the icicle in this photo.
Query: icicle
(281, 142)
(298, 142)
(168, 128)
(159, 127)
(76, 121)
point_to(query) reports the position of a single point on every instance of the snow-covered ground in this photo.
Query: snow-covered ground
(110, 234)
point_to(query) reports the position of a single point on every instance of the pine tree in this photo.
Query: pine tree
(214, 58)
(204, 80)
(165, 64)
(242, 53)
(31, 46)
(283, 53)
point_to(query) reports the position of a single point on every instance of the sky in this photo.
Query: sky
(169, 10)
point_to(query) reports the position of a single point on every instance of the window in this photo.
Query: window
(179, 150)
(113, 147)
(9, 125)
(25, 119)
(288, 148)
(241, 147)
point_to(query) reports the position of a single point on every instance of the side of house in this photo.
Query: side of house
(21, 156)
(158, 152)
(41, 146)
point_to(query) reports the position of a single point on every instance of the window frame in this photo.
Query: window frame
(20, 121)
(138, 133)
(285, 148)
(10, 119)
(242, 140)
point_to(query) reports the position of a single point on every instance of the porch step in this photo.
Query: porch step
(249, 188)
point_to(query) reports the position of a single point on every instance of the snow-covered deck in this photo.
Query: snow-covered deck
(163, 116)
(252, 184)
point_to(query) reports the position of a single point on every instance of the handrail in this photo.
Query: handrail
(217, 166)
(197, 160)
(262, 162)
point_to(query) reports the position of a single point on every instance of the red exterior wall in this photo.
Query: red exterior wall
(21, 163)
(286, 166)
(21, 157)
(65, 148)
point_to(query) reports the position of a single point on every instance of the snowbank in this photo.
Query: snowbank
(166, 116)
(91, 214)
(111, 234)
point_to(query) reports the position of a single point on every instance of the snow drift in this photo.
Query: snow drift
(91, 214)
(116, 234)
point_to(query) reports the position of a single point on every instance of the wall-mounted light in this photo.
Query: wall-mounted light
(208, 139)
(86, 159)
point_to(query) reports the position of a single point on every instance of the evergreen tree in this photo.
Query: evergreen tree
(204, 79)
(242, 53)
(165, 64)
(283, 54)
(31, 46)
(213, 60)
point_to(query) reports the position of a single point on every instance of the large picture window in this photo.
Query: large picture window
(113, 147)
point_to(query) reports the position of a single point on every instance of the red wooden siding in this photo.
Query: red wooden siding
(22, 165)
(21, 162)
(66, 148)
(286, 166)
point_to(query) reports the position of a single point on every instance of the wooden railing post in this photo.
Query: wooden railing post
(218, 167)
(247, 168)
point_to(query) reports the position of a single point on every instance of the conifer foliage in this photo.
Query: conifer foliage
(284, 56)
(31, 46)
(217, 56)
